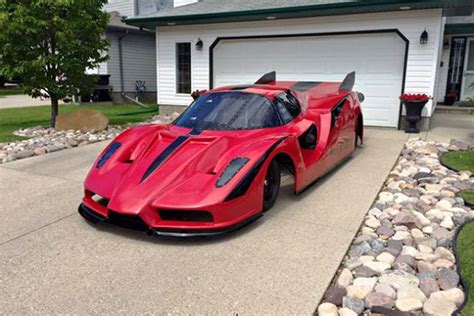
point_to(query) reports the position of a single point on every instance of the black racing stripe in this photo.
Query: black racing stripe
(242, 87)
(304, 85)
(168, 151)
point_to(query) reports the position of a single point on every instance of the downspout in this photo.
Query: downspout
(122, 85)
(121, 60)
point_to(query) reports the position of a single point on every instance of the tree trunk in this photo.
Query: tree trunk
(54, 111)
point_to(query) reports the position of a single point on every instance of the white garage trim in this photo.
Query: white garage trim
(328, 35)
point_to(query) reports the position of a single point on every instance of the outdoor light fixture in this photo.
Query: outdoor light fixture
(199, 44)
(424, 37)
(446, 44)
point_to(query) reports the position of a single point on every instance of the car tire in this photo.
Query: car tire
(271, 185)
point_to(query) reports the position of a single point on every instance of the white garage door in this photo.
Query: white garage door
(378, 60)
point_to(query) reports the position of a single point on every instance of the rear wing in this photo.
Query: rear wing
(346, 85)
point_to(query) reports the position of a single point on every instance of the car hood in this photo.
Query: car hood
(169, 167)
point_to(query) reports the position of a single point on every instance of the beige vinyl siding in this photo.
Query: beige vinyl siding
(421, 65)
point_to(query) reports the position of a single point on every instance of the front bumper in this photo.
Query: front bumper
(132, 223)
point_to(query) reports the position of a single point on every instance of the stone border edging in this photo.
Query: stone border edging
(340, 266)
(463, 282)
(414, 250)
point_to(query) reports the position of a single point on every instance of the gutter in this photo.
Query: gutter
(352, 7)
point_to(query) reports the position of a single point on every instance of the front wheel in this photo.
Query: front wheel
(271, 185)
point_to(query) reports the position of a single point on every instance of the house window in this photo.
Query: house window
(183, 67)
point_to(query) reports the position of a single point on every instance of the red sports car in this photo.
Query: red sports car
(217, 166)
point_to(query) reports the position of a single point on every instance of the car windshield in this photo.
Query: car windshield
(229, 111)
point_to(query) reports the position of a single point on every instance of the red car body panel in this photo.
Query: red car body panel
(186, 180)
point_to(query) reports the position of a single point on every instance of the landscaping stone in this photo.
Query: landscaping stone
(428, 286)
(437, 306)
(378, 299)
(327, 309)
(399, 279)
(353, 304)
(447, 278)
(402, 257)
(377, 266)
(386, 258)
(82, 119)
(455, 295)
(385, 232)
(345, 278)
(334, 295)
(43, 140)
(346, 312)
(408, 304)
(365, 271)
(386, 290)
(411, 291)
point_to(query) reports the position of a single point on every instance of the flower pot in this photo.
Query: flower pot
(413, 115)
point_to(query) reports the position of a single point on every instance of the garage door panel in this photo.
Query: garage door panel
(378, 60)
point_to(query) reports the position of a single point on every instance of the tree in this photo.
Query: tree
(51, 44)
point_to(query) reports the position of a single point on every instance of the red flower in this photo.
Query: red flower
(408, 97)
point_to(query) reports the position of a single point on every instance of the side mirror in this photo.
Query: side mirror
(361, 96)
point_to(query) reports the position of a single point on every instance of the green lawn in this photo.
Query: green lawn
(16, 118)
(468, 196)
(465, 249)
(10, 91)
(459, 160)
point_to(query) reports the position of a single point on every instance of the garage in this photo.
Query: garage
(377, 57)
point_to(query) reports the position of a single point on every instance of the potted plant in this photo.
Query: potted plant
(414, 104)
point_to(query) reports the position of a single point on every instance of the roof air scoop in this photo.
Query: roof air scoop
(348, 82)
(268, 78)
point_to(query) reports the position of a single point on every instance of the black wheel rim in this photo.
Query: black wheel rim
(269, 184)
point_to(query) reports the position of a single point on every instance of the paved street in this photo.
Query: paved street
(22, 100)
(52, 261)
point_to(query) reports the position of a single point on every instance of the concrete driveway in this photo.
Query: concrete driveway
(52, 261)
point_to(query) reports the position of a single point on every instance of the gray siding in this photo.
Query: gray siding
(124, 7)
(139, 61)
(151, 6)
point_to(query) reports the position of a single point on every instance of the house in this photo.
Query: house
(132, 53)
(394, 46)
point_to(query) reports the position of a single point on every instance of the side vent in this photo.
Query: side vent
(308, 139)
(231, 170)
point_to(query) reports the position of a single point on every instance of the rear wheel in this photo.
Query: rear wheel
(271, 185)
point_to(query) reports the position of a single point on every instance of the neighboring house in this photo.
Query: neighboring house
(132, 52)
(305, 40)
